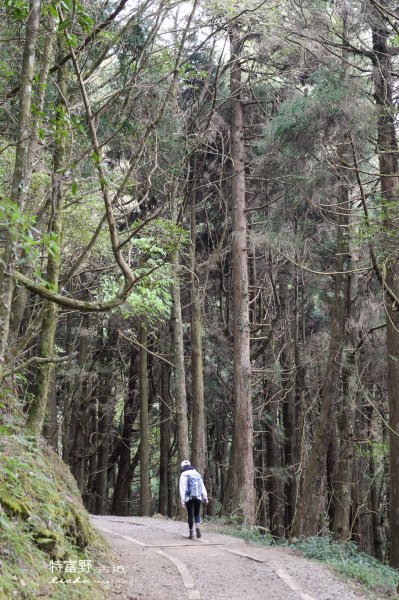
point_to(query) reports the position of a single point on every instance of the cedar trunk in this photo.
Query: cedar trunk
(104, 419)
(389, 182)
(46, 349)
(180, 378)
(164, 441)
(145, 495)
(120, 499)
(198, 447)
(21, 179)
(241, 496)
(312, 484)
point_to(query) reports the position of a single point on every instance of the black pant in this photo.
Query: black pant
(193, 511)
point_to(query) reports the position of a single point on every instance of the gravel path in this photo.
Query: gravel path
(161, 563)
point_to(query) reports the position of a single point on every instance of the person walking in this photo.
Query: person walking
(192, 493)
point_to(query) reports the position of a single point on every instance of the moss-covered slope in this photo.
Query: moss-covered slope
(45, 532)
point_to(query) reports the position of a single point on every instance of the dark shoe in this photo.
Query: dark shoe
(191, 536)
(198, 532)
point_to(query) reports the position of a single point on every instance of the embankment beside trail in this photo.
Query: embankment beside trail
(46, 538)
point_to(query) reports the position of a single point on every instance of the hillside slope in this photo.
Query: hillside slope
(48, 548)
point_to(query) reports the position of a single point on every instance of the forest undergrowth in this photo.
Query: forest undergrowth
(343, 557)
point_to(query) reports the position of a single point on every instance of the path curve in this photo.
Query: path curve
(161, 563)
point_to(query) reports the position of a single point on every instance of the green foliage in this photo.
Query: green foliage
(22, 228)
(324, 103)
(257, 534)
(29, 242)
(372, 448)
(344, 558)
(134, 42)
(151, 297)
(82, 218)
(348, 561)
(60, 124)
(74, 12)
(11, 218)
(189, 72)
(367, 230)
(17, 9)
(293, 119)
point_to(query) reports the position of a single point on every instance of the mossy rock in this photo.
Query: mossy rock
(46, 533)
(48, 545)
(80, 529)
(49, 542)
(14, 507)
(35, 522)
(51, 547)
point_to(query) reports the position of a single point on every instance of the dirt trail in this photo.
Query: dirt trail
(161, 563)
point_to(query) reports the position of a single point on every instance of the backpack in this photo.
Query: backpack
(194, 486)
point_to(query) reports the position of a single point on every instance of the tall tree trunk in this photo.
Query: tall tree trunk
(312, 484)
(300, 369)
(180, 378)
(89, 494)
(341, 525)
(120, 499)
(289, 400)
(145, 492)
(331, 468)
(104, 419)
(164, 441)
(389, 182)
(342, 479)
(376, 485)
(81, 399)
(198, 409)
(46, 347)
(67, 394)
(50, 431)
(20, 183)
(241, 497)
(274, 463)
(35, 151)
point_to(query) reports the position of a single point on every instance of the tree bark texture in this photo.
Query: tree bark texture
(241, 497)
(20, 183)
(145, 493)
(198, 447)
(275, 485)
(104, 420)
(164, 441)
(120, 499)
(179, 372)
(341, 525)
(37, 409)
(312, 483)
(34, 154)
(289, 401)
(50, 431)
(389, 182)
(81, 400)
